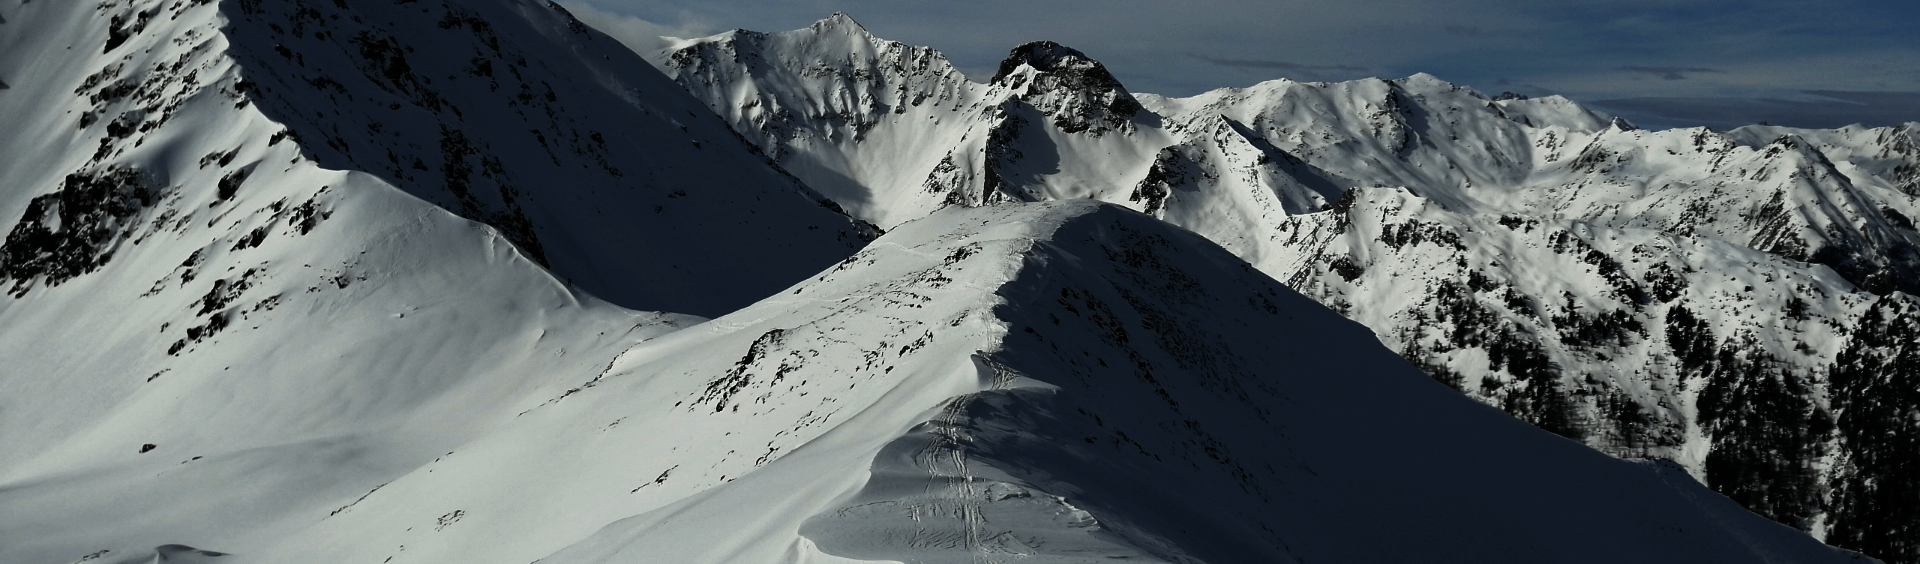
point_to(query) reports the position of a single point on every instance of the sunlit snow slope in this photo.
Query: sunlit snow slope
(1681, 294)
(195, 346)
(391, 350)
(1064, 382)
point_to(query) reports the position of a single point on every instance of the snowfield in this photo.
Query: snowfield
(514, 295)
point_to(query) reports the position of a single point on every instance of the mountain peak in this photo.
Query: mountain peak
(1067, 85)
(1047, 56)
(1427, 79)
(841, 22)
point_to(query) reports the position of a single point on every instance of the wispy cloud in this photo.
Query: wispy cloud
(1908, 102)
(1834, 108)
(1670, 73)
(1279, 65)
(1477, 31)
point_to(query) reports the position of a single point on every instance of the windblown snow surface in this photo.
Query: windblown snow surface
(413, 343)
(1738, 302)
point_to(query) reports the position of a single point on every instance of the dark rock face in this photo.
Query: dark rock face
(1074, 90)
(1060, 60)
(73, 230)
(1169, 171)
(384, 69)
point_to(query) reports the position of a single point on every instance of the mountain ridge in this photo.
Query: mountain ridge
(357, 364)
(301, 331)
(1417, 207)
(1021, 461)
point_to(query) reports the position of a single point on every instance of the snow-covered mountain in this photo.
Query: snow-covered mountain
(1681, 294)
(414, 343)
(463, 111)
(1060, 381)
(189, 335)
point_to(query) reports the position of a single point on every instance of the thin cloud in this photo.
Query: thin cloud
(1279, 65)
(1477, 31)
(1872, 109)
(1890, 101)
(1670, 73)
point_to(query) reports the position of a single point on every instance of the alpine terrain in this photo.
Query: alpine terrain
(517, 295)
(1739, 302)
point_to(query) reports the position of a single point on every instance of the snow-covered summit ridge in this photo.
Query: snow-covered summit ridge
(1304, 143)
(841, 22)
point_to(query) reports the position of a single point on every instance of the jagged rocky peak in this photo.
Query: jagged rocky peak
(1047, 56)
(1902, 144)
(1074, 90)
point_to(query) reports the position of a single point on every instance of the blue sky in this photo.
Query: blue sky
(1660, 63)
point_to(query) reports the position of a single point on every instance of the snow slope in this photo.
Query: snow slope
(1134, 382)
(1679, 294)
(1064, 382)
(211, 361)
(191, 336)
(150, 191)
(467, 106)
